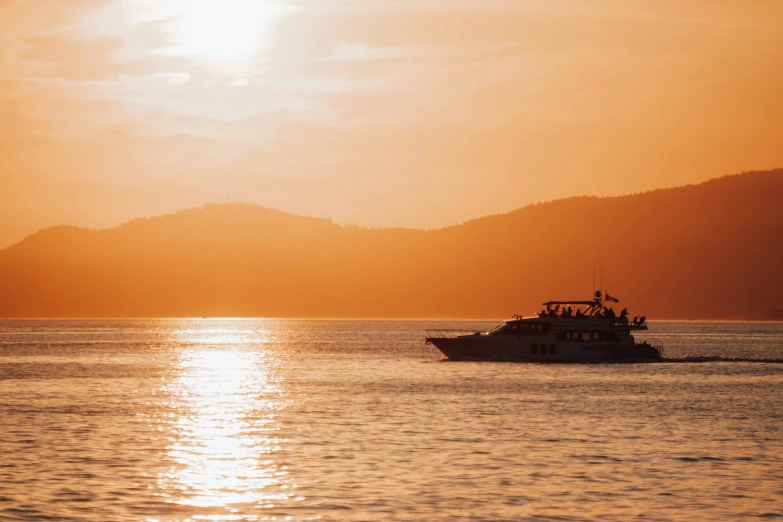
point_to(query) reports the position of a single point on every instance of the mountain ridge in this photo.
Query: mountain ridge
(355, 225)
(240, 259)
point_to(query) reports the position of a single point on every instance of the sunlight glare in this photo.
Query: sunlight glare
(225, 435)
(225, 34)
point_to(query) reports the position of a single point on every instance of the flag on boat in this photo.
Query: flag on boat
(611, 299)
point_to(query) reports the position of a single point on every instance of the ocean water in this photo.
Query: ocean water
(226, 420)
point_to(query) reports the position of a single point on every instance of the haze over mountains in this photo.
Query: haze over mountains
(709, 251)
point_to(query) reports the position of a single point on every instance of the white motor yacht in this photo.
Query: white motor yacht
(562, 331)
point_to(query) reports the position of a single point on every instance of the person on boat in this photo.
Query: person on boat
(636, 320)
(624, 313)
(610, 313)
(579, 313)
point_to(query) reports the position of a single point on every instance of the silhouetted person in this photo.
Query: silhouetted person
(624, 313)
(635, 320)
(642, 319)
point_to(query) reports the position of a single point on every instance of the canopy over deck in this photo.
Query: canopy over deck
(561, 303)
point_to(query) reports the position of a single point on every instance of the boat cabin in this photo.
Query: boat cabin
(573, 321)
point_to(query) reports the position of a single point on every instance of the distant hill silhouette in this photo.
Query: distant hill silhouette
(713, 251)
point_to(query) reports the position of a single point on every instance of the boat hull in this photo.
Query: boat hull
(501, 348)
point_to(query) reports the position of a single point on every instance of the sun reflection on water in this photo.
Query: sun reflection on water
(225, 434)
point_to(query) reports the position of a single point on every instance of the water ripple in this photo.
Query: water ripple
(341, 420)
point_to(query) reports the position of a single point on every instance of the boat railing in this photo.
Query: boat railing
(624, 321)
(656, 347)
(449, 333)
(613, 321)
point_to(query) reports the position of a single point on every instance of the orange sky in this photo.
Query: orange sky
(378, 112)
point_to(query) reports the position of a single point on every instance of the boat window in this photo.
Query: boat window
(588, 336)
(534, 349)
(533, 327)
(551, 349)
(503, 329)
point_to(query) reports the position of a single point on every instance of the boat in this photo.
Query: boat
(564, 331)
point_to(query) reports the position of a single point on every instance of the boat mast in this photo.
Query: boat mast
(602, 285)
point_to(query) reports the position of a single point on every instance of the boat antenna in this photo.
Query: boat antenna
(602, 284)
(593, 279)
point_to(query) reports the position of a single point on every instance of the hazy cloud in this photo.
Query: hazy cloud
(449, 109)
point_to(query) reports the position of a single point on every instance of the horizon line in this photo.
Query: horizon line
(302, 318)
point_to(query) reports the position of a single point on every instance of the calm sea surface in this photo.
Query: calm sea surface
(224, 420)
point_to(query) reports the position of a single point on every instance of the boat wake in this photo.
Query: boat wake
(716, 358)
(683, 359)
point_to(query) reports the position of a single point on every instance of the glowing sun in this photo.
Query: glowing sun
(222, 33)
